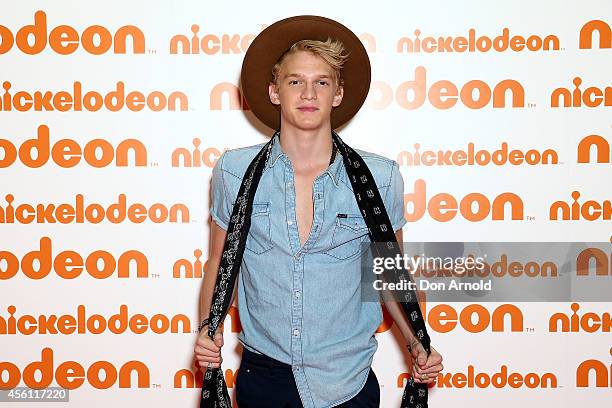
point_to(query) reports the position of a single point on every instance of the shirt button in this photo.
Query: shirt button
(289, 184)
(290, 222)
(296, 368)
(296, 332)
(297, 294)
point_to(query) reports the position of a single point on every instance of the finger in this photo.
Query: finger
(418, 380)
(206, 343)
(427, 370)
(209, 359)
(210, 350)
(432, 373)
(207, 352)
(208, 364)
(416, 373)
(434, 369)
(432, 361)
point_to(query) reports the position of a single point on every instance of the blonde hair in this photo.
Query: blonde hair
(332, 52)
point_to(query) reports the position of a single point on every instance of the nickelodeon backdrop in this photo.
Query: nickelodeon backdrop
(113, 114)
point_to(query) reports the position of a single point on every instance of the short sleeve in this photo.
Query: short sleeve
(394, 200)
(220, 209)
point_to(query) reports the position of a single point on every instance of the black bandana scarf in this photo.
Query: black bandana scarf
(214, 389)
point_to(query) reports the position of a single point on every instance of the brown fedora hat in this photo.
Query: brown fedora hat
(271, 43)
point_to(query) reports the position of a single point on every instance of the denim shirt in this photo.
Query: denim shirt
(302, 305)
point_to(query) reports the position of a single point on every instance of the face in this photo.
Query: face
(306, 92)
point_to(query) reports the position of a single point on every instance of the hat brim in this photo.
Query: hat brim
(273, 41)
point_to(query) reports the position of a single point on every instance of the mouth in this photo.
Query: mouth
(307, 109)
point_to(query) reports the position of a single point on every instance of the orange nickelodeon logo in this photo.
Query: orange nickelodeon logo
(185, 378)
(442, 94)
(480, 268)
(196, 158)
(185, 268)
(65, 40)
(67, 153)
(211, 44)
(85, 323)
(445, 94)
(602, 149)
(603, 373)
(588, 322)
(500, 379)
(471, 43)
(79, 212)
(588, 30)
(596, 256)
(443, 207)
(92, 101)
(232, 94)
(591, 97)
(473, 157)
(590, 210)
(72, 375)
(474, 318)
(100, 264)
(444, 318)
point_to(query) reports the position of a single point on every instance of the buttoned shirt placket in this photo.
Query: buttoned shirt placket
(298, 269)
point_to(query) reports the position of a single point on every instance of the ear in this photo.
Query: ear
(338, 96)
(273, 92)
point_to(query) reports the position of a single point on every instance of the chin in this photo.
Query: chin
(300, 123)
(309, 125)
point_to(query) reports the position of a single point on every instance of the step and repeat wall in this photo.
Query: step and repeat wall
(113, 114)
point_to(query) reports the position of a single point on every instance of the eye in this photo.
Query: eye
(322, 82)
(293, 81)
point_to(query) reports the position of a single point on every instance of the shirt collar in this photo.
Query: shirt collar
(334, 171)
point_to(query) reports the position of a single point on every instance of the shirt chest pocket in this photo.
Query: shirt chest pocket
(259, 239)
(349, 231)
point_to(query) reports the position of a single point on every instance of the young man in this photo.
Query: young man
(308, 336)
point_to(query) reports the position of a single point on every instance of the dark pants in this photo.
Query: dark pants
(263, 382)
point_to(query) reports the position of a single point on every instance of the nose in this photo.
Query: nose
(308, 92)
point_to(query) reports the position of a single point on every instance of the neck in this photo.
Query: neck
(308, 150)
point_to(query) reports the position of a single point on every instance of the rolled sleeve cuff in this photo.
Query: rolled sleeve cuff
(219, 208)
(218, 220)
(395, 199)
(399, 224)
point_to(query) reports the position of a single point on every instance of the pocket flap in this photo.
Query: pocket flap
(353, 222)
(260, 208)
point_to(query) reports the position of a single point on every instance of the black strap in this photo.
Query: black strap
(214, 389)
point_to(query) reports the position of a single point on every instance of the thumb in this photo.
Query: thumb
(421, 357)
(218, 339)
(414, 351)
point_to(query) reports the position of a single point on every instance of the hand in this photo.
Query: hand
(208, 351)
(422, 364)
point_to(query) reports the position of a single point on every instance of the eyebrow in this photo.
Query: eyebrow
(301, 76)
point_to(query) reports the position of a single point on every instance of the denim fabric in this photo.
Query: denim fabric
(302, 305)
